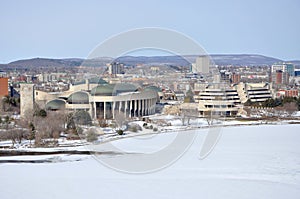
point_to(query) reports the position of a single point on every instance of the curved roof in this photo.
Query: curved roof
(79, 82)
(94, 80)
(78, 98)
(55, 104)
(97, 80)
(113, 89)
(155, 88)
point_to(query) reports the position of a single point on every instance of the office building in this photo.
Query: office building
(202, 64)
(115, 68)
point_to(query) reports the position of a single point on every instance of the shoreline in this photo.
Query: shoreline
(64, 150)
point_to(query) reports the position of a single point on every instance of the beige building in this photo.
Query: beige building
(256, 92)
(27, 99)
(101, 100)
(221, 99)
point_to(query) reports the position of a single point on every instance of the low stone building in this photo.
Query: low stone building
(99, 99)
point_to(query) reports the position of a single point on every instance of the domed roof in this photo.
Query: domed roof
(94, 80)
(113, 89)
(78, 98)
(79, 82)
(55, 104)
(155, 88)
(97, 80)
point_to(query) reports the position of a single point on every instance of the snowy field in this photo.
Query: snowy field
(247, 162)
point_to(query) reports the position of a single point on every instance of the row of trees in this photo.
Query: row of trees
(280, 105)
(278, 102)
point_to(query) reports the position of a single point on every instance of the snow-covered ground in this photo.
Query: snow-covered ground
(247, 162)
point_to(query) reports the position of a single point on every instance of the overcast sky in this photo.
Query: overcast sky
(60, 29)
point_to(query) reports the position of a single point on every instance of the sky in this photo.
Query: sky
(65, 29)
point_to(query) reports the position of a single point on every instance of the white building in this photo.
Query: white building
(202, 64)
(219, 100)
(256, 92)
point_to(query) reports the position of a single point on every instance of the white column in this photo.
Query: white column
(153, 106)
(104, 110)
(130, 109)
(95, 111)
(120, 106)
(135, 108)
(146, 106)
(143, 107)
(126, 107)
(113, 107)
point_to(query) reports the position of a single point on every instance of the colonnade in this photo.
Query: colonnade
(130, 108)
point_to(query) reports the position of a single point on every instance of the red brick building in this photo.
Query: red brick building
(287, 93)
(3, 86)
(235, 78)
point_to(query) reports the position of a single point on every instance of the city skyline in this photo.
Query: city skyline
(73, 29)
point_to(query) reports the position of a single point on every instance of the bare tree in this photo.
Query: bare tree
(120, 119)
(16, 135)
(290, 108)
(49, 127)
(211, 117)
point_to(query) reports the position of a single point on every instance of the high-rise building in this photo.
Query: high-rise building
(115, 68)
(290, 69)
(284, 67)
(3, 86)
(280, 78)
(225, 76)
(235, 78)
(202, 65)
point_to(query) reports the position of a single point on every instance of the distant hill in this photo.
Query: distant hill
(241, 59)
(45, 62)
(219, 59)
(244, 59)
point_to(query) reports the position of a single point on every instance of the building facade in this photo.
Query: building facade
(3, 86)
(219, 100)
(102, 100)
(115, 68)
(26, 99)
(287, 93)
(256, 92)
(228, 101)
(202, 65)
(280, 78)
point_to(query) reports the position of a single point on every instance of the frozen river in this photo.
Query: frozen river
(247, 162)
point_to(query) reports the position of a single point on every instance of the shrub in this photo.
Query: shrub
(91, 136)
(102, 123)
(120, 131)
(82, 117)
(79, 130)
(42, 113)
(133, 129)
(145, 124)
(151, 127)
(155, 129)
